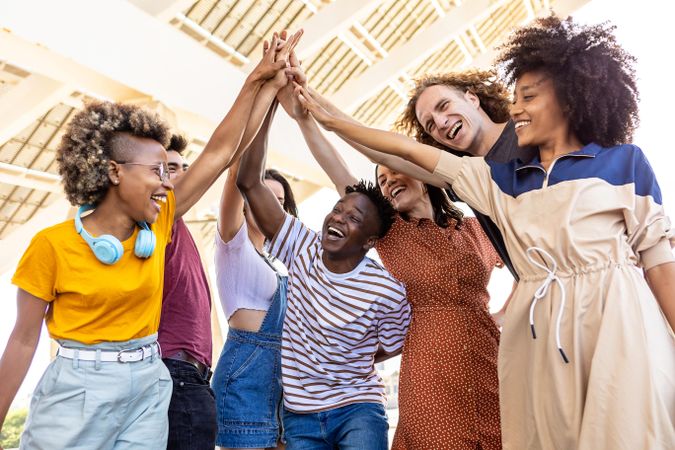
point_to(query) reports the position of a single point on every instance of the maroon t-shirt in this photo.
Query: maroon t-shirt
(185, 323)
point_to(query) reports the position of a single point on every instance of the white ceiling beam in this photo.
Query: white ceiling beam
(163, 10)
(33, 179)
(326, 24)
(38, 58)
(148, 59)
(357, 90)
(30, 99)
(16, 242)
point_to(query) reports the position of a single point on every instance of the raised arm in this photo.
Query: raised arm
(20, 347)
(323, 151)
(222, 147)
(261, 200)
(333, 119)
(231, 214)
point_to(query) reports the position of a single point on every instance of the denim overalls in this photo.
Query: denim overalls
(247, 381)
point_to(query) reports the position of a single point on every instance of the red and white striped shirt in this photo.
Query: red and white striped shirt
(335, 324)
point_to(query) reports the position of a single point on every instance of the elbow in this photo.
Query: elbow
(246, 182)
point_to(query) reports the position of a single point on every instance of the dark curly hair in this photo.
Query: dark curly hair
(177, 144)
(88, 145)
(289, 199)
(493, 96)
(385, 211)
(593, 75)
(444, 210)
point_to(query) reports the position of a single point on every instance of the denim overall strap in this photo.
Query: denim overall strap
(274, 319)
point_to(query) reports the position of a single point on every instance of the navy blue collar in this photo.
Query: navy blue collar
(588, 151)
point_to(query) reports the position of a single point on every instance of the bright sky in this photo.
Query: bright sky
(640, 29)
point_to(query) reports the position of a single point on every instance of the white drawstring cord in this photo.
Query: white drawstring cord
(541, 292)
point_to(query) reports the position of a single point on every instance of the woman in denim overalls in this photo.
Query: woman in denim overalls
(252, 289)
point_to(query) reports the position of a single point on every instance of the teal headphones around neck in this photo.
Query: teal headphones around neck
(107, 248)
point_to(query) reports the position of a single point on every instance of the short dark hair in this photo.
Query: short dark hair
(385, 211)
(593, 76)
(289, 199)
(177, 144)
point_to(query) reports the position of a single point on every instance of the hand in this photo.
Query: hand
(282, 48)
(268, 66)
(317, 111)
(285, 96)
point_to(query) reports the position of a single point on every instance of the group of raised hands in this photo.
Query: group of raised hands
(282, 69)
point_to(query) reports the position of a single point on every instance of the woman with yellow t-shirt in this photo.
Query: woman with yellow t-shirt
(97, 280)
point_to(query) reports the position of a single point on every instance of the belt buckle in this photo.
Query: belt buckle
(130, 352)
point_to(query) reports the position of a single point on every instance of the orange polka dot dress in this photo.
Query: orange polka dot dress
(448, 386)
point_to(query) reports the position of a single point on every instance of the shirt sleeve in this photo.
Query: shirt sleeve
(392, 324)
(469, 178)
(650, 232)
(36, 272)
(290, 240)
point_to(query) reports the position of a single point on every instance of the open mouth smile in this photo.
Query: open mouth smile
(454, 130)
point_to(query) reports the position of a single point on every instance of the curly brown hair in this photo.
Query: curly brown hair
(87, 147)
(493, 96)
(593, 75)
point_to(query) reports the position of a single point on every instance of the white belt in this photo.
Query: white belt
(541, 292)
(123, 356)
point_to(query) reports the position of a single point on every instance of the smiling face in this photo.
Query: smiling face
(450, 117)
(139, 187)
(177, 165)
(404, 193)
(351, 228)
(536, 111)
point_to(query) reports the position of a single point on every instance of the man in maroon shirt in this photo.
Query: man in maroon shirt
(185, 332)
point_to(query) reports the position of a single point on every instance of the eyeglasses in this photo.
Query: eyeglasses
(160, 168)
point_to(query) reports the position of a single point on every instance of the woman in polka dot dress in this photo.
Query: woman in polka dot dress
(448, 388)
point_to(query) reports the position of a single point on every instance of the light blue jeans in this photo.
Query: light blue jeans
(360, 426)
(100, 405)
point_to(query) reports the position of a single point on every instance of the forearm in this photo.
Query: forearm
(234, 127)
(326, 155)
(260, 109)
(263, 203)
(386, 142)
(14, 367)
(219, 151)
(231, 215)
(661, 280)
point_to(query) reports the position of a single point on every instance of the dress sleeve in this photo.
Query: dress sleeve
(392, 324)
(649, 230)
(36, 272)
(469, 178)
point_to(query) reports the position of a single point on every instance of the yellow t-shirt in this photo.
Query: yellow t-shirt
(91, 302)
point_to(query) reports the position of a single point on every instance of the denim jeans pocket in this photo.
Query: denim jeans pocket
(250, 392)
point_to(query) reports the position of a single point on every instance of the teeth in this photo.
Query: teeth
(158, 198)
(396, 191)
(455, 129)
(522, 123)
(336, 231)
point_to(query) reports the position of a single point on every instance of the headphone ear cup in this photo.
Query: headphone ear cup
(107, 249)
(145, 242)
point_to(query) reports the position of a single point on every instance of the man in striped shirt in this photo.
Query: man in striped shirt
(345, 311)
